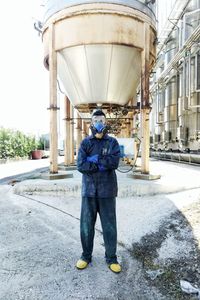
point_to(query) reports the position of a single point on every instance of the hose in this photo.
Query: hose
(134, 163)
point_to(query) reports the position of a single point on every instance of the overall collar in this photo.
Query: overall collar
(105, 137)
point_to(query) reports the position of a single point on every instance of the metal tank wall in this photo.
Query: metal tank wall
(191, 18)
(52, 6)
(180, 129)
(170, 110)
(171, 47)
(99, 46)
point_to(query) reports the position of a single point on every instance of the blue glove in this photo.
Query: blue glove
(93, 158)
(101, 168)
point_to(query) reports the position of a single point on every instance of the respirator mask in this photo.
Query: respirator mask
(98, 126)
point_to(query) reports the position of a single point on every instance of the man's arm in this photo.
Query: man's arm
(83, 164)
(111, 161)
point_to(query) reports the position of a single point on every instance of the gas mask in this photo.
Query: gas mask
(98, 126)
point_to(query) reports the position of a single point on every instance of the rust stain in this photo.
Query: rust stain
(145, 86)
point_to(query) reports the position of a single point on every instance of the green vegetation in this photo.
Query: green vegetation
(14, 144)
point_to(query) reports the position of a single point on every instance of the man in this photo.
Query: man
(98, 158)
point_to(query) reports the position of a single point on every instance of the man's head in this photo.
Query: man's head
(98, 124)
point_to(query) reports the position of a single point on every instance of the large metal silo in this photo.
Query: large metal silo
(101, 51)
(98, 46)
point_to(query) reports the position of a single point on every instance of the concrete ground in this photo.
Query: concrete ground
(158, 238)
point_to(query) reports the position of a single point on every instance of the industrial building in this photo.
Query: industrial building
(136, 60)
(175, 89)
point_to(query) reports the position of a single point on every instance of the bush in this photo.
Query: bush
(15, 144)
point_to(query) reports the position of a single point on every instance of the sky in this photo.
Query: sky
(24, 82)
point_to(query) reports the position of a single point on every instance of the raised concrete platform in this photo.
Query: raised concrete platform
(59, 175)
(144, 176)
(66, 168)
(174, 178)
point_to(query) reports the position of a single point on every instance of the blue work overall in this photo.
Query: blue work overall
(99, 191)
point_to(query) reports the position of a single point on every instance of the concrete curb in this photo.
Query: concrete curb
(72, 187)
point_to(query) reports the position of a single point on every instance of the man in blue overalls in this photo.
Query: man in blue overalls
(98, 157)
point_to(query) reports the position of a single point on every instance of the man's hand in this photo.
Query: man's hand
(93, 158)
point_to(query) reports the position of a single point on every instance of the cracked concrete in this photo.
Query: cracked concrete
(158, 233)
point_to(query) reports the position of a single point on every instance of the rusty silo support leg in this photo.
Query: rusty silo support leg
(84, 129)
(67, 132)
(71, 134)
(78, 133)
(135, 144)
(145, 108)
(53, 102)
(128, 128)
(145, 141)
(82, 132)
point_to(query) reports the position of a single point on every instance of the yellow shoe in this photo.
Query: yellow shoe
(81, 264)
(116, 268)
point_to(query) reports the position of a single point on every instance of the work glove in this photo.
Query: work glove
(93, 158)
(101, 168)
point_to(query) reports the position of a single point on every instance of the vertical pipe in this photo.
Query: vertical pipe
(67, 132)
(78, 133)
(184, 84)
(145, 141)
(84, 133)
(53, 101)
(145, 108)
(135, 144)
(127, 128)
(157, 98)
(71, 134)
(86, 129)
(189, 80)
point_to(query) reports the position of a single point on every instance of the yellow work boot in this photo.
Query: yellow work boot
(81, 264)
(116, 268)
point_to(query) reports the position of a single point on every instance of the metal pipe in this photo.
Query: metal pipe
(176, 14)
(180, 38)
(177, 95)
(192, 12)
(197, 89)
(67, 132)
(189, 79)
(53, 101)
(157, 105)
(184, 29)
(185, 106)
(71, 134)
(184, 20)
(194, 106)
(180, 54)
(169, 78)
(189, 83)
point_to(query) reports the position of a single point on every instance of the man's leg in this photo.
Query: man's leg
(107, 212)
(87, 224)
